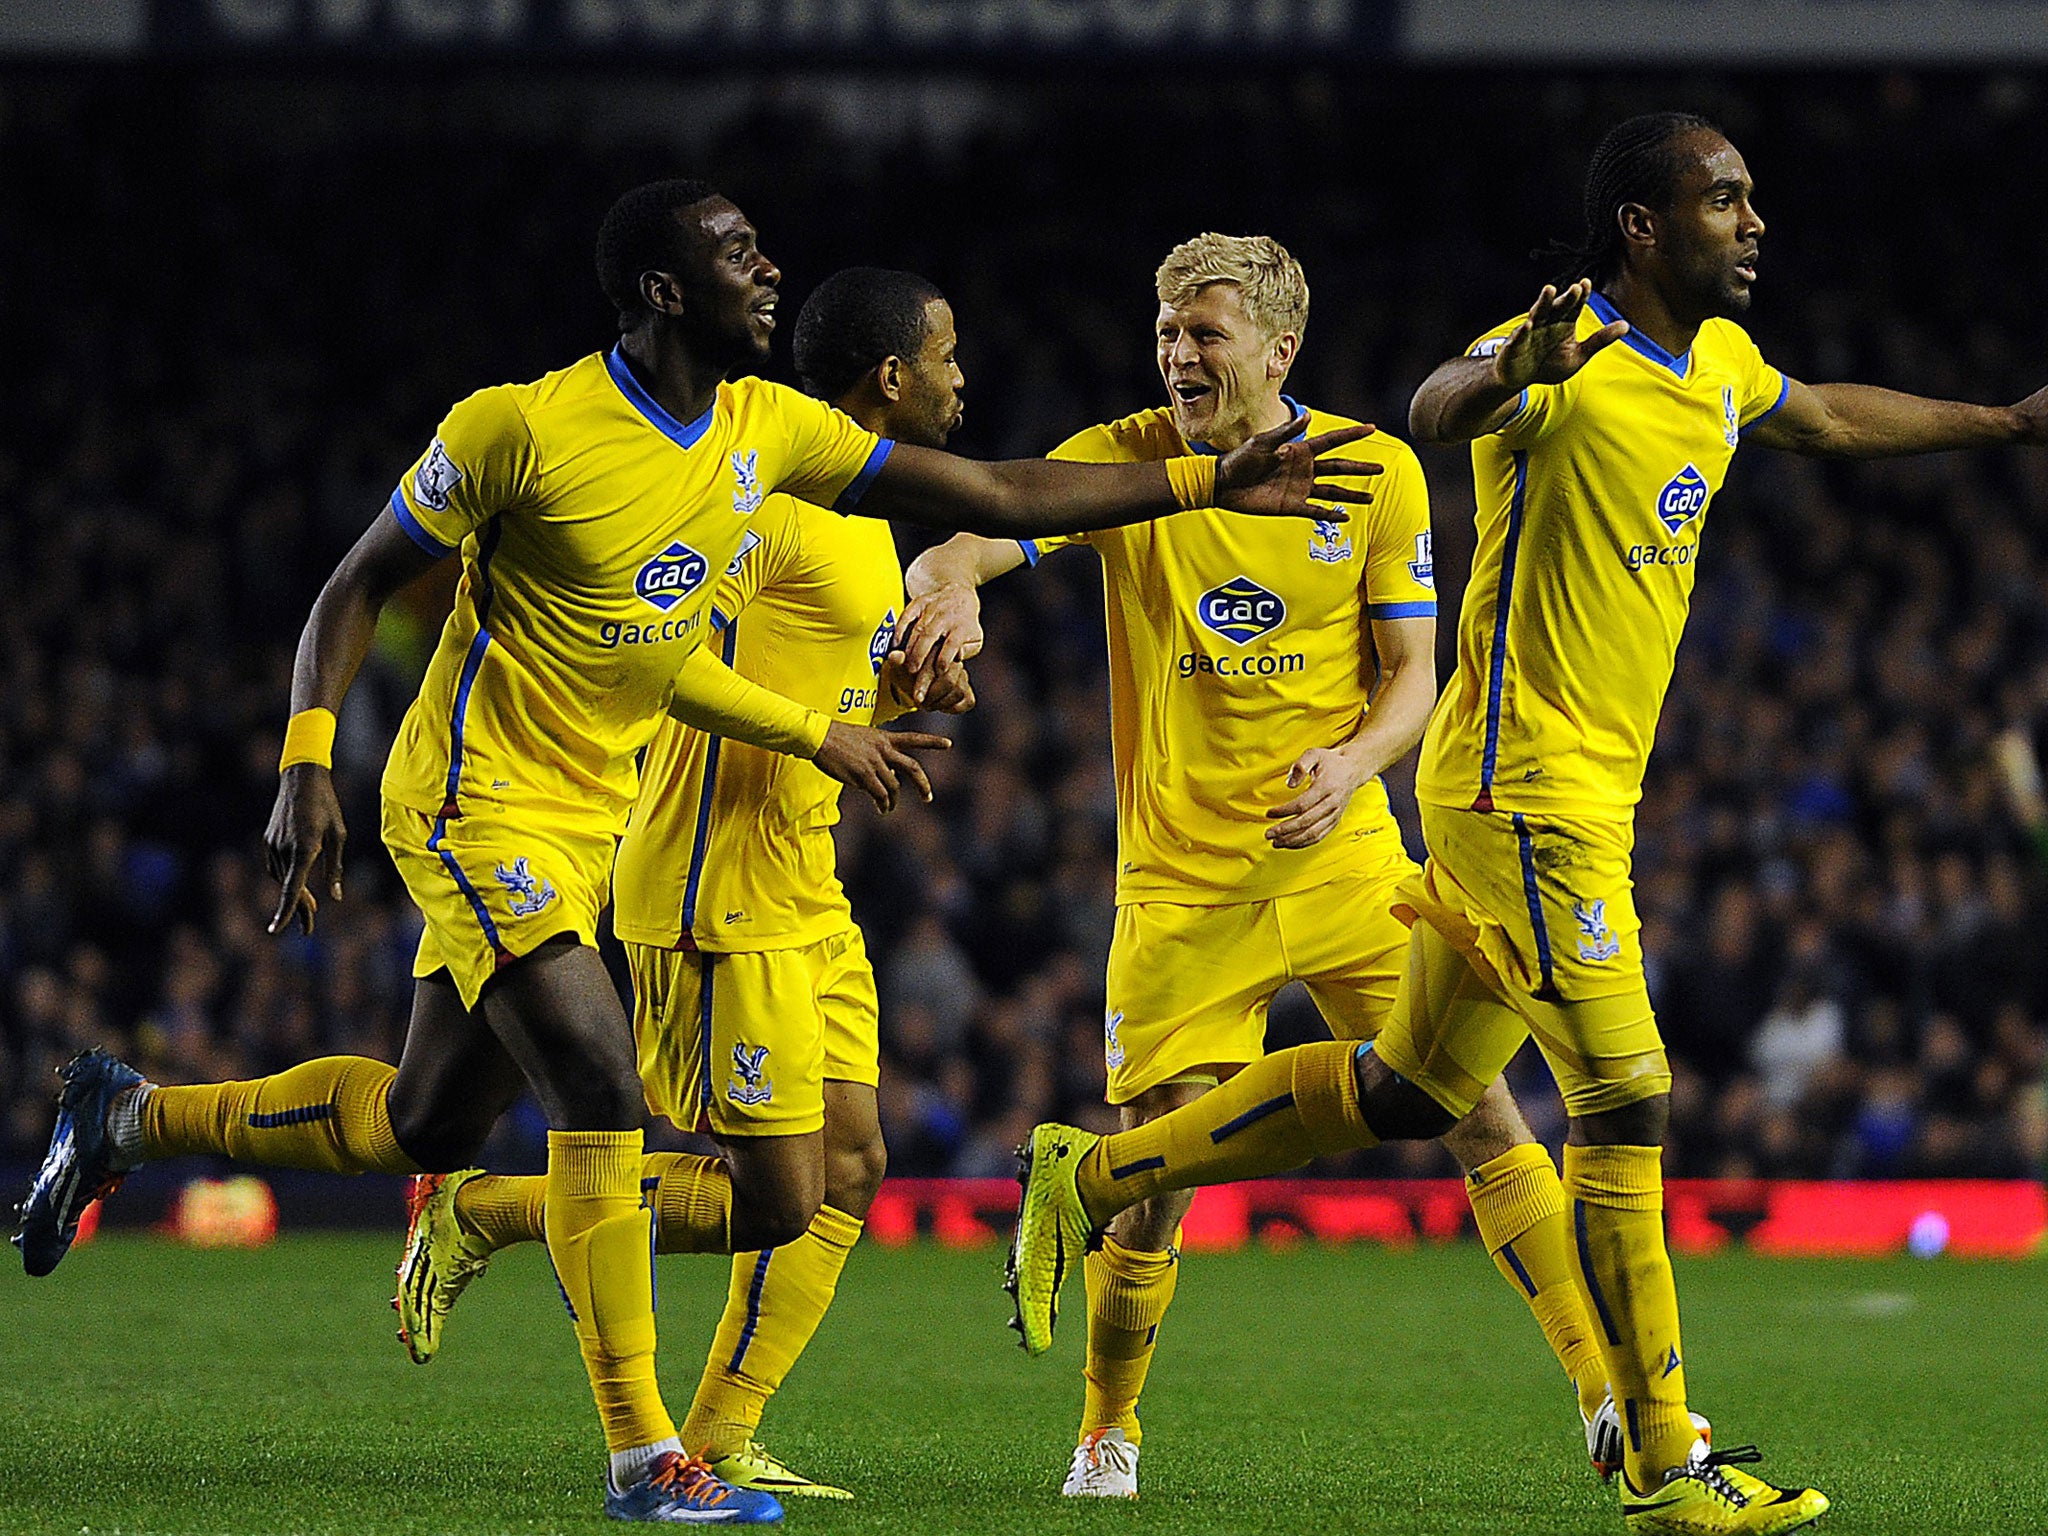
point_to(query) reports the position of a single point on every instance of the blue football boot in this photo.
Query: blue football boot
(78, 1169)
(681, 1490)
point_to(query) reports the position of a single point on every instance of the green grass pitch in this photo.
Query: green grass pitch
(148, 1388)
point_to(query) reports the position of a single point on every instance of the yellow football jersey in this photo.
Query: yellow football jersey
(1590, 503)
(1235, 644)
(730, 847)
(593, 526)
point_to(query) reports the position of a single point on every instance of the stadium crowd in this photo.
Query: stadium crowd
(236, 309)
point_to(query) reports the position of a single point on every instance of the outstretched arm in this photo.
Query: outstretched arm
(1469, 397)
(1275, 474)
(1401, 705)
(306, 829)
(1861, 421)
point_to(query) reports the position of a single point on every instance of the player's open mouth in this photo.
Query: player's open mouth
(1746, 270)
(765, 313)
(1188, 393)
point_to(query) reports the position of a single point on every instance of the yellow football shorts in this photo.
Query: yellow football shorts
(1525, 925)
(781, 1022)
(492, 890)
(1189, 987)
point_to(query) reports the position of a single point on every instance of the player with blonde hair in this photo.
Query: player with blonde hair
(1261, 679)
(1602, 424)
(593, 510)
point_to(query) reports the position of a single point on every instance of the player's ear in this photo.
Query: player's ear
(660, 292)
(889, 377)
(1280, 357)
(1638, 224)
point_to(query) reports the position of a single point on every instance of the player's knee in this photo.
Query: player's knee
(853, 1173)
(1641, 1124)
(601, 1100)
(775, 1217)
(437, 1142)
(1396, 1110)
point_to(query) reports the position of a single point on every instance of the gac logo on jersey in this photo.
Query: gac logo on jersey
(1683, 499)
(746, 474)
(1423, 566)
(882, 642)
(436, 478)
(671, 576)
(749, 1081)
(1240, 610)
(530, 893)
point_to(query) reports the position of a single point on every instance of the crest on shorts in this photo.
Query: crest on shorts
(1112, 1048)
(746, 474)
(529, 891)
(436, 478)
(749, 1082)
(1596, 940)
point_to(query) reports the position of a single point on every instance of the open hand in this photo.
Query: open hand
(876, 761)
(1332, 779)
(305, 835)
(1279, 473)
(1545, 349)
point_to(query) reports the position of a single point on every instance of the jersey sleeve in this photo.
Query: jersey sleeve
(1541, 407)
(1096, 445)
(481, 462)
(1764, 387)
(771, 546)
(829, 458)
(709, 696)
(1400, 578)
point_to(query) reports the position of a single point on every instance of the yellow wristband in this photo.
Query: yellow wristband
(1193, 479)
(308, 738)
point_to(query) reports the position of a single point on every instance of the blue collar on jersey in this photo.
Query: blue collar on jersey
(1636, 339)
(1293, 406)
(629, 385)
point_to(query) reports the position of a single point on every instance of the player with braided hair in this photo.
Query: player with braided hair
(1594, 464)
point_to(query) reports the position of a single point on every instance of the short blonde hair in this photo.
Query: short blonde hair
(1274, 289)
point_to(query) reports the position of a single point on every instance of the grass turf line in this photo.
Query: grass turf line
(149, 1388)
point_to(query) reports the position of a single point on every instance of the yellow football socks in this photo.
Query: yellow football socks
(692, 1203)
(1129, 1291)
(1274, 1115)
(691, 1198)
(502, 1210)
(1518, 1201)
(1617, 1206)
(774, 1305)
(600, 1241)
(328, 1114)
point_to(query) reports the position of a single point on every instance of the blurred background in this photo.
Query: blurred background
(250, 250)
